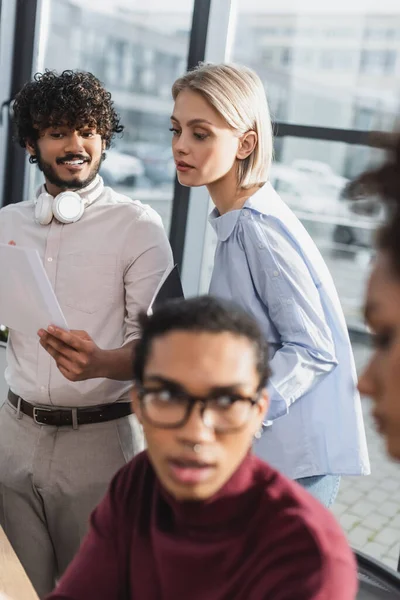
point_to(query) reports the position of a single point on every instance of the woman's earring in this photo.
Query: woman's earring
(258, 434)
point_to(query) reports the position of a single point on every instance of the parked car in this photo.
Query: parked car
(301, 192)
(157, 160)
(351, 222)
(312, 167)
(321, 171)
(121, 169)
(359, 220)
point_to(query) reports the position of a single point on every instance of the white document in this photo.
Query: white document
(170, 287)
(27, 300)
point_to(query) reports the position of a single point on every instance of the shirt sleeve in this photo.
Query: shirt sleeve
(293, 304)
(2, 227)
(95, 572)
(144, 270)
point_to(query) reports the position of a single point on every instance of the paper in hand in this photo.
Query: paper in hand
(27, 300)
(170, 287)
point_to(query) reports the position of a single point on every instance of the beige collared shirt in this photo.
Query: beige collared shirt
(104, 270)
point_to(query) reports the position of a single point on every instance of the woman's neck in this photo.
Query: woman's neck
(226, 194)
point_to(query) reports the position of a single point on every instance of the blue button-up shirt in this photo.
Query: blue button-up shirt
(266, 262)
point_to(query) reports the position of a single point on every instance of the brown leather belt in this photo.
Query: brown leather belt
(63, 417)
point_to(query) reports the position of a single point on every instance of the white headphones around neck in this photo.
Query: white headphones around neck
(67, 207)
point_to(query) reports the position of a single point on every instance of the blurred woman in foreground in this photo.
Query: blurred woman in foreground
(381, 378)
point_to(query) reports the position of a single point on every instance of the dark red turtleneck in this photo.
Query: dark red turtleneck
(261, 537)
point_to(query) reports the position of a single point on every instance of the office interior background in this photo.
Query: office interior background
(331, 73)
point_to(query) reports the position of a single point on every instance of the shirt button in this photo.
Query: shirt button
(276, 273)
(289, 301)
(42, 388)
(261, 245)
(50, 260)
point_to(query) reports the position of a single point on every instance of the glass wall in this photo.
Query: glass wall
(137, 51)
(335, 67)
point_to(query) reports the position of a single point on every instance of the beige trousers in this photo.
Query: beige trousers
(51, 478)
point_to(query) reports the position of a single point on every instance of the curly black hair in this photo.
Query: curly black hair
(72, 98)
(201, 314)
(384, 182)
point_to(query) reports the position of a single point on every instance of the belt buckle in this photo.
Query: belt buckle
(36, 409)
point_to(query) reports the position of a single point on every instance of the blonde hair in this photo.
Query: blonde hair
(238, 95)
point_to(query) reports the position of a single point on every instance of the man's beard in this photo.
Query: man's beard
(67, 184)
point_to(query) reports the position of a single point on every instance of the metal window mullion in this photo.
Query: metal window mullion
(40, 40)
(327, 134)
(7, 28)
(180, 205)
(22, 62)
(217, 49)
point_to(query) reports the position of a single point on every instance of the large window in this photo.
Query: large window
(331, 68)
(324, 65)
(137, 51)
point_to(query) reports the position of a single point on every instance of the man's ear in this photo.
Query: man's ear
(247, 143)
(30, 148)
(262, 406)
(135, 404)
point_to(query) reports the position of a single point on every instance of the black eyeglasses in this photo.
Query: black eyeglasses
(170, 409)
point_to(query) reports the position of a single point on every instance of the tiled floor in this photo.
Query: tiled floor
(368, 508)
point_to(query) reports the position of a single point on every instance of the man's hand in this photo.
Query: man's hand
(77, 356)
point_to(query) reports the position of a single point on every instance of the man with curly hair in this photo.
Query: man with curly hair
(66, 427)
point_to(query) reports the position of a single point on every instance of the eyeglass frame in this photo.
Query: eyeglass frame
(192, 401)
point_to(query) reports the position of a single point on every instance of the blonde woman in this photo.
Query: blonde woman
(266, 261)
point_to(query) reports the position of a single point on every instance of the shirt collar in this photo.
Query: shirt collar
(224, 225)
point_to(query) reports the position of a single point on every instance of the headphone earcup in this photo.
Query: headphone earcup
(43, 209)
(68, 207)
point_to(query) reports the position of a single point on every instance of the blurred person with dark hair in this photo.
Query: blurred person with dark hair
(381, 378)
(67, 428)
(197, 516)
